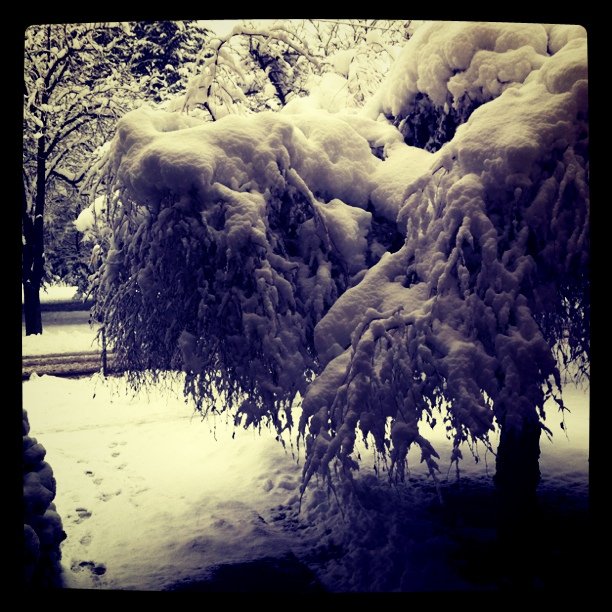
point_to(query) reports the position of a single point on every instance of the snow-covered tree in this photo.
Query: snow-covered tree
(70, 89)
(162, 54)
(361, 52)
(496, 248)
(311, 253)
(79, 79)
(244, 69)
(259, 66)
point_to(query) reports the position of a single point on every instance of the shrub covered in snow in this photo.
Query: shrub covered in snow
(496, 247)
(42, 525)
(258, 252)
(232, 240)
(450, 69)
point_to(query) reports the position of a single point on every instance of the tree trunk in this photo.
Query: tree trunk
(516, 480)
(33, 252)
(31, 309)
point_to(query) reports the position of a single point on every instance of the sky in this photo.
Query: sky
(220, 26)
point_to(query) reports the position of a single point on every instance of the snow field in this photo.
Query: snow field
(151, 497)
(146, 491)
(64, 332)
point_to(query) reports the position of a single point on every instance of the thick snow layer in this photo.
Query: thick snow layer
(335, 159)
(381, 291)
(157, 155)
(403, 164)
(447, 61)
(150, 496)
(503, 139)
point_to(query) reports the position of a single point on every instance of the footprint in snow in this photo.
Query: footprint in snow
(106, 496)
(97, 569)
(96, 481)
(83, 515)
(85, 540)
(115, 454)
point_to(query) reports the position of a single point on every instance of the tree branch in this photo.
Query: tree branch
(52, 164)
(87, 116)
(60, 75)
(53, 68)
(73, 182)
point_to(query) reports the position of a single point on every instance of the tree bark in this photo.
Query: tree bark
(33, 252)
(516, 480)
(31, 309)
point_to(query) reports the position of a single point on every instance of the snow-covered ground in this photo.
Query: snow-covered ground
(50, 294)
(152, 497)
(63, 332)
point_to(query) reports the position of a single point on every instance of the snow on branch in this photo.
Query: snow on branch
(216, 54)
